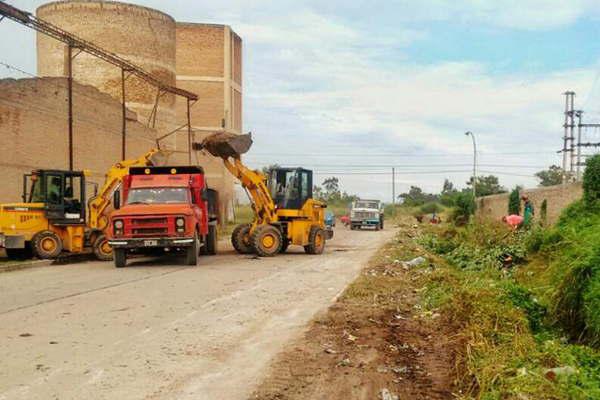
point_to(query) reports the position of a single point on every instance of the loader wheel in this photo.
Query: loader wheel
(240, 239)
(316, 241)
(102, 250)
(120, 256)
(266, 240)
(47, 244)
(211, 240)
(191, 253)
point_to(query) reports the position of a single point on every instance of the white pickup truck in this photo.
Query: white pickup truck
(366, 213)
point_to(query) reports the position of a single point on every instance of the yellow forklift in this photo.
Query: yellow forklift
(54, 215)
(285, 212)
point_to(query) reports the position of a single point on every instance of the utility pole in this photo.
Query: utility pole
(474, 162)
(579, 114)
(569, 105)
(393, 186)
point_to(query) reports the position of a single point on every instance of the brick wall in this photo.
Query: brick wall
(34, 130)
(557, 197)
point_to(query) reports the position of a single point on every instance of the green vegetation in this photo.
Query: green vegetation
(513, 349)
(514, 202)
(243, 214)
(552, 176)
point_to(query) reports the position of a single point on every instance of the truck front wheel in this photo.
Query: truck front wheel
(191, 253)
(120, 257)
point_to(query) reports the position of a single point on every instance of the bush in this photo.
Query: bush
(430, 208)
(464, 208)
(544, 212)
(591, 180)
(514, 202)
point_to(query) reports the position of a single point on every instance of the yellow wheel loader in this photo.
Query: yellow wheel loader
(54, 215)
(285, 212)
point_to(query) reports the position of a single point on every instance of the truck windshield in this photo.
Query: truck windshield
(366, 204)
(157, 195)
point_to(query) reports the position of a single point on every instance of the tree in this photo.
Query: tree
(487, 185)
(448, 187)
(332, 188)
(267, 170)
(514, 201)
(416, 197)
(591, 180)
(448, 194)
(552, 176)
(465, 207)
(318, 192)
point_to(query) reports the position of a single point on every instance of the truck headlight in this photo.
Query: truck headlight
(180, 224)
(118, 224)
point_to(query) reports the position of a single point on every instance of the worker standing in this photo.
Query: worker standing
(528, 211)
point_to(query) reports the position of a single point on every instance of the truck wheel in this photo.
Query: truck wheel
(211, 240)
(316, 241)
(240, 239)
(284, 245)
(47, 244)
(120, 257)
(102, 250)
(191, 252)
(266, 240)
(381, 224)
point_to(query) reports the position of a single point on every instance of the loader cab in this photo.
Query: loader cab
(61, 192)
(290, 187)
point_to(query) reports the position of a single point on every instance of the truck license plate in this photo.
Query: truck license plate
(150, 243)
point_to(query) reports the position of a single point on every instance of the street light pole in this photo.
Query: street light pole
(469, 133)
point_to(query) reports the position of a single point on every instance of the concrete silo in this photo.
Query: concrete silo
(143, 36)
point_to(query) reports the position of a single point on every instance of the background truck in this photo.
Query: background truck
(366, 213)
(164, 209)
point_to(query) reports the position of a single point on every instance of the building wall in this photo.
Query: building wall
(557, 197)
(33, 128)
(209, 62)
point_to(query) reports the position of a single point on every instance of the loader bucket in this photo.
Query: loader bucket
(225, 145)
(160, 158)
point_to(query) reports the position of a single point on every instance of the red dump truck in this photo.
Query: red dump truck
(164, 209)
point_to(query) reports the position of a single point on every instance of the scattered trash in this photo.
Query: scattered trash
(25, 335)
(53, 342)
(387, 395)
(329, 351)
(344, 363)
(415, 262)
(400, 370)
(350, 336)
(553, 373)
(382, 369)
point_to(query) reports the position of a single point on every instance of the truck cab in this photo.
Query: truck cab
(164, 209)
(366, 213)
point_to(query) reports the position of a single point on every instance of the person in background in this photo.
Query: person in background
(528, 211)
(513, 220)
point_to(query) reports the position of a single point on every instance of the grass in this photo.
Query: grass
(513, 349)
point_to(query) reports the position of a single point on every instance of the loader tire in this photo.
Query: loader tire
(102, 250)
(266, 240)
(47, 245)
(316, 241)
(240, 239)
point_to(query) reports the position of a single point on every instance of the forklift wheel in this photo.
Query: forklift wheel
(120, 257)
(316, 241)
(267, 240)
(240, 238)
(47, 244)
(102, 249)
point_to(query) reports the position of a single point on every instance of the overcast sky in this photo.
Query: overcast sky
(353, 88)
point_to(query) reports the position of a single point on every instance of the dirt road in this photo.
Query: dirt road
(162, 331)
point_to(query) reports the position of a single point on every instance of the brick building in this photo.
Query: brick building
(202, 58)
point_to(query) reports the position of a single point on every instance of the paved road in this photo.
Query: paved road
(158, 330)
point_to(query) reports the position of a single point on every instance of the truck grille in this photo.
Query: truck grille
(150, 231)
(149, 221)
(365, 215)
